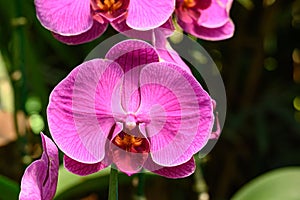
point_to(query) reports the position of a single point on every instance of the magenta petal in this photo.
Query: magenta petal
(82, 169)
(83, 108)
(179, 110)
(216, 15)
(183, 15)
(132, 55)
(221, 33)
(123, 28)
(187, 15)
(167, 28)
(145, 14)
(180, 171)
(40, 178)
(67, 17)
(94, 32)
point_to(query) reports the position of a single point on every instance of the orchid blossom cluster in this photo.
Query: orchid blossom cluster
(139, 107)
(76, 22)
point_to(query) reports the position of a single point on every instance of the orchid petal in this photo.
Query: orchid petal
(94, 32)
(66, 17)
(216, 15)
(167, 28)
(40, 178)
(132, 55)
(145, 15)
(179, 110)
(83, 108)
(82, 169)
(221, 33)
(180, 171)
(187, 15)
(122, 27)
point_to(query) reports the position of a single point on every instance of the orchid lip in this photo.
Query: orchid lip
(109, 9)
(129, 151)
(131, 143)
(189, 3)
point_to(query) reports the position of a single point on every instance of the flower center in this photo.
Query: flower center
(130, 122)
(189, 3)
(194, 4)
(131, 143)
(109, 6)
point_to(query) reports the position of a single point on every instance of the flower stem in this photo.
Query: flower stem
(200, 183)
(141, 185)
(113, 184)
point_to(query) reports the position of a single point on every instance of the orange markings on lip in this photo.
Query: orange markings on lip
(128, 142)
(189, 3)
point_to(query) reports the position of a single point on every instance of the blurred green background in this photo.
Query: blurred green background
(260, 67)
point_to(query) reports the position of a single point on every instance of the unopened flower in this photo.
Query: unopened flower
(40, 178)
(205, 19)
(132, 111)
(80, 21)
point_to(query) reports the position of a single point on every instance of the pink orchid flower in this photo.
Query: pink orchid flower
(40, 178)
(80, 21)
(206, 19)
(132, 111)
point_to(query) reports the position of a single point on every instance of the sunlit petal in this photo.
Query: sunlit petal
(82, 169)
(179, 171)
(180, 113)
(94, 32)
(145, 14)
(132, 55)
(80, 112)
(66, 17)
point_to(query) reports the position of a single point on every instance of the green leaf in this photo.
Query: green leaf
(9, 189)
(274, 185)
(67, 180)
(71, 186)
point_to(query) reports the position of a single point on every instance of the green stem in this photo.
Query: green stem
(141, 185)
(113, 184)
(200, 183)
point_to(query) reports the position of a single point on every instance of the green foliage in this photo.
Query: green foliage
(71, 186)
(274, 185)
(9, 189)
